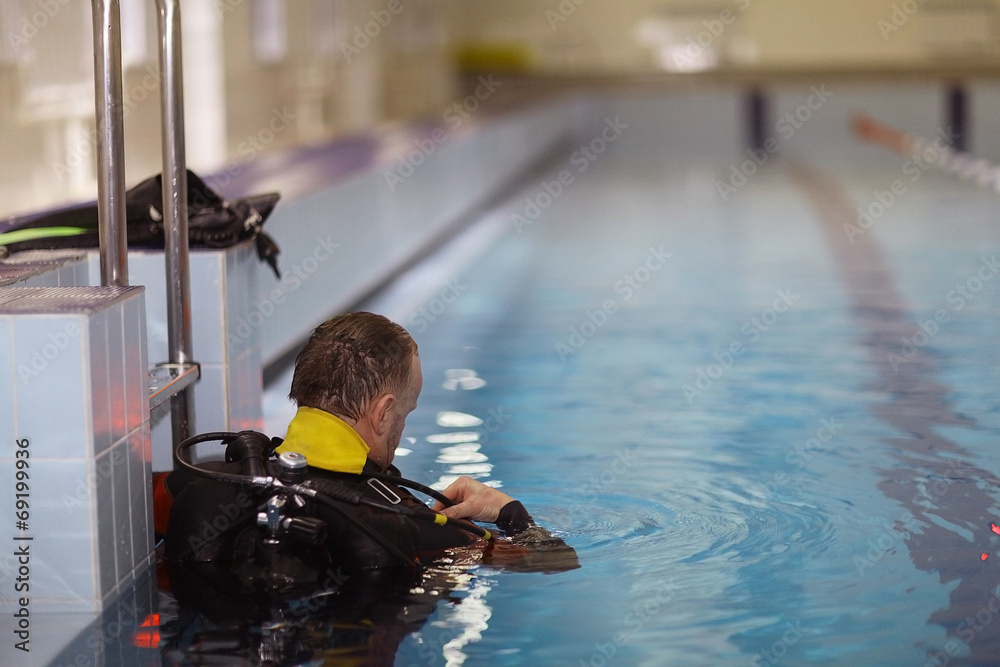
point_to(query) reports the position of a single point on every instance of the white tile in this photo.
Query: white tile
(64, 275)
(103, 476)
(94, 269)
(77, 274)
(134, 609)
(210, 393)
(212, 407)
(53, 387)
(162, 438)
(102, 381)
(136, 365)
(208, 306)
(240, 295)
(146, 268)
(51, 634)
(8, 380)
(140, 503)
(246, 390)
(8, 560)
(146, 591)
(117, 353)
(122, 481)
(234, 288)
(48, 278)
(63, 503)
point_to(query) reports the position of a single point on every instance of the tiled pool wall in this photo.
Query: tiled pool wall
(76, 497)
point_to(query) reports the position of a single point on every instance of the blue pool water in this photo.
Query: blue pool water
(752, 464)
(768, 432)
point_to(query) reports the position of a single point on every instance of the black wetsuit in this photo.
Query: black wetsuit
(214, 521)
(348, 598)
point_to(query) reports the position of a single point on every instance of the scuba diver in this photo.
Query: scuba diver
(321, 520)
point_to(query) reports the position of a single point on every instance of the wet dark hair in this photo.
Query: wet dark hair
(349, 361)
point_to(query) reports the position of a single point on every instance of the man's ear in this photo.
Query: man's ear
(381, 413)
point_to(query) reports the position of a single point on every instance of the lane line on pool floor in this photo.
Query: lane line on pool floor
(917, 402)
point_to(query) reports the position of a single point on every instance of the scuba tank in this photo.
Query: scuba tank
(279, 525)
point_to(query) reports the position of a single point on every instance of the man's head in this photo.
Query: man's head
(363, 368)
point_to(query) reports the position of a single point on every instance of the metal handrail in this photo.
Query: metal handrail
(175, 211)
(182, 371)
(110, 142)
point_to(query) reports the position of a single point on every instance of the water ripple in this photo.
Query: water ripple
(730, 527)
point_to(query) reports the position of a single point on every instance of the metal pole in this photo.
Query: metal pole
(110, 142)
(175, 213)
(957, 116)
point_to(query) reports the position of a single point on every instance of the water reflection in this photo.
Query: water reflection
(465, 459)
(450, 438)
(209, 617)
(947, 499)
(469, 619)
(451, 419)
(463, 453)
(462, 378)
(359, 618)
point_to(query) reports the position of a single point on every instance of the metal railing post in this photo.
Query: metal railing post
(110, 142)
(175, 211)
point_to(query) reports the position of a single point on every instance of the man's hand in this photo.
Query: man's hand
(474, 500)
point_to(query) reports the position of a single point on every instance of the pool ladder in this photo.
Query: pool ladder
(170, 380)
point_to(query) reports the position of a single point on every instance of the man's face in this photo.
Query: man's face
(406, 402)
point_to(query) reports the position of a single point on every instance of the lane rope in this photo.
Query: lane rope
(964, 165)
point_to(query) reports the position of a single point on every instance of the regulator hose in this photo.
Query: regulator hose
(270, 482)
(328, 493)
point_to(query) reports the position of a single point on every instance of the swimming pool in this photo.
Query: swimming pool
(767, 429)
(771, 439)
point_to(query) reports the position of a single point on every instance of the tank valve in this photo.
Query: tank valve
(271, 518)
(292, 467)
